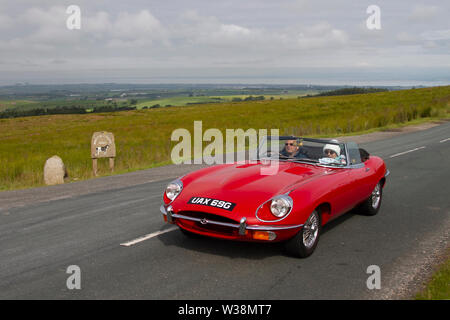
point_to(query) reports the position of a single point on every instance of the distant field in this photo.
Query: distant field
(186, 100)
(143, 136)
(174, 99)
(8, 104)
(27, 105)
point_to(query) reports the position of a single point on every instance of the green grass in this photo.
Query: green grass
(143, 136)
(439, 286)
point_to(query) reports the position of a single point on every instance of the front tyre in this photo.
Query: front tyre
(372, 205)
(305, 241)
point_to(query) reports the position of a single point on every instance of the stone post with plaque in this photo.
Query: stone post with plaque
(102, 146)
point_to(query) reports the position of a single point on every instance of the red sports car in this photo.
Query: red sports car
(293, 188)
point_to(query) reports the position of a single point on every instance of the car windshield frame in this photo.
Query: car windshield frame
(304, 160)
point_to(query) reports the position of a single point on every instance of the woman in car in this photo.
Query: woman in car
(332, 153)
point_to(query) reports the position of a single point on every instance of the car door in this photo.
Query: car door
(341, 192)
(359, 174)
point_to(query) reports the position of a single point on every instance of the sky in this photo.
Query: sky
(227, 41)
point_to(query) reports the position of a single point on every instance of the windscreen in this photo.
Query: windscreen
(327, 152)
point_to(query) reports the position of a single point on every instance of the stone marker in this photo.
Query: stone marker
(54, 171)
(103, 146)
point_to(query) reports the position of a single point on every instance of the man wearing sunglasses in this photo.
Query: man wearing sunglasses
(293, 150)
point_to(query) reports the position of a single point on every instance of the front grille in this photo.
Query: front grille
(208, 216)
(209, 227)
(217, 229)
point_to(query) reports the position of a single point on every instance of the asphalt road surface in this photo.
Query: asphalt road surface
(125, 251)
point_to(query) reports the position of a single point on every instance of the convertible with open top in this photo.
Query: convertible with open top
(293, 188)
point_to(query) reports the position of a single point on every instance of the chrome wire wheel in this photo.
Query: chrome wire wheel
(305, 241)
(372, 204)
(311, 230)
(376, 196)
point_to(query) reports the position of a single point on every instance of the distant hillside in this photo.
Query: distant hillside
(346, 91)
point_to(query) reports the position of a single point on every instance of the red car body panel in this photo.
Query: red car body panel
(335, 190)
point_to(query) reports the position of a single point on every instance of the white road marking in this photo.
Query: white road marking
(148, 236)
(405, 152)
(444, 140)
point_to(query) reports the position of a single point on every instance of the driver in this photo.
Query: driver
(292, 150)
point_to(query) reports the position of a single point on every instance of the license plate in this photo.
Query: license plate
(226, 205)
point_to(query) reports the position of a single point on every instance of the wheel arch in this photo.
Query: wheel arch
(383, 181)
(324, 210)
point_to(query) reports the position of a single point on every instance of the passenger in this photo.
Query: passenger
(333, 153)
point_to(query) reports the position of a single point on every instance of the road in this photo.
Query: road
(38, 241)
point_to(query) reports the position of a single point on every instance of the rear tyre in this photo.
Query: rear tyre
(305, 241)
(372, 205)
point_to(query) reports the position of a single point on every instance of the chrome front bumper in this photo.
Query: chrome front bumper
(242, 226)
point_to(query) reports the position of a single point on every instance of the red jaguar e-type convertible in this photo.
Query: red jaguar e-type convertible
(312, 181)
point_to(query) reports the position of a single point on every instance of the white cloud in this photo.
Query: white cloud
(232, 30)
(5, 22)
(99, 31)
(322, 35)
(405, 37)
(134, 26)
(98, 24)
(423, 12)
(436, 35)
(209, 32)
(46, 27)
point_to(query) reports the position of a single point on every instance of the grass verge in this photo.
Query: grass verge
(438, 287)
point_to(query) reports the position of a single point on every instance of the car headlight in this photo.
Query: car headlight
(173, 189)
(281, 205)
